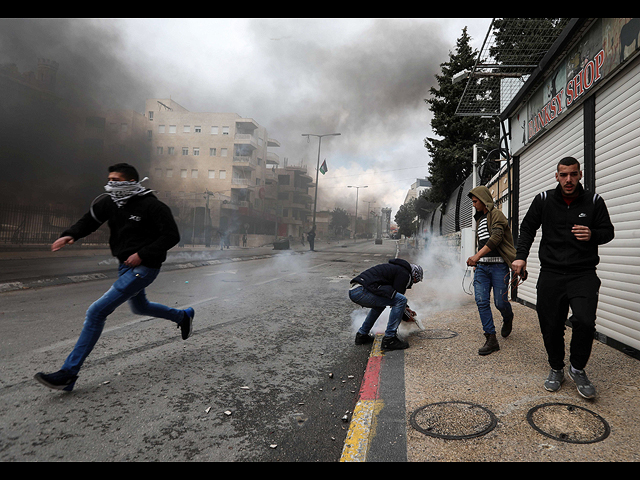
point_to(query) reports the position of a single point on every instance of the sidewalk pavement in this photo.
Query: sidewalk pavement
(463, 407)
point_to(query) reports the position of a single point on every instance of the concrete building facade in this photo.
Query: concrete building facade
(214, 170)
(294, 202)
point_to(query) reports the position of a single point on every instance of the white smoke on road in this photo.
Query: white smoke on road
(440, 290)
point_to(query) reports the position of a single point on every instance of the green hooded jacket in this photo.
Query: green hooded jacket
(501, 239)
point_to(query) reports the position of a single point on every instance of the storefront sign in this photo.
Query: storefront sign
(607, 43)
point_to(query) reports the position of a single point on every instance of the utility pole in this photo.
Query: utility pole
(315, 201)
(355, 224)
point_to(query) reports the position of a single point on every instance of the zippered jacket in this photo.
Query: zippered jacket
(560, 251)
(144, 225)
(501, 239)
(387, 278)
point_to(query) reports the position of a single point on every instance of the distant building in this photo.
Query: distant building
(419, 186)
(294, 203)
(44, 78)
(214, 170)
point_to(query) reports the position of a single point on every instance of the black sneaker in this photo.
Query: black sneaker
(393, 343)
(187, 323)
(584, 386)
(363, 339)
(60, 380)
(554, 380)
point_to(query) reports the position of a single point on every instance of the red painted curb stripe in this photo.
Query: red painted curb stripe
(371, 380)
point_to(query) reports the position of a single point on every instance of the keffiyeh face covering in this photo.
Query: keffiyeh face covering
(121, 192)
(416, 273)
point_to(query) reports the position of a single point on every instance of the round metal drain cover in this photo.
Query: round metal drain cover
(436, 334)
(453, 420)
(568, 423)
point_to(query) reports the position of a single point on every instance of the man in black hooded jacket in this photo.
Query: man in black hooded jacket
(142, 230)
(384, 286)
(574, 223)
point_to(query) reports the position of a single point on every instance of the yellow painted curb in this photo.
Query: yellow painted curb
(363, 421)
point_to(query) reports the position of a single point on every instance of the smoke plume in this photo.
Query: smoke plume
(48, 155)
(441, 289)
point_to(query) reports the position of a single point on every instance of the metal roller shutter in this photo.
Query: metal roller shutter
(537, 174)
(618, 182)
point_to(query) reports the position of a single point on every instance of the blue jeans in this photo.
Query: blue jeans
(129, 286)
(487, 276)
(377, 304)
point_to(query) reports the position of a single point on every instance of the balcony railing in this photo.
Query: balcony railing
(244, 161)
(241, 181)
(245, 139)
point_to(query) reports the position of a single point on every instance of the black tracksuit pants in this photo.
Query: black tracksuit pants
(556, 293)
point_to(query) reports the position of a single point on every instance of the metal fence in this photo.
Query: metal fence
(457, 213)
(42, 225)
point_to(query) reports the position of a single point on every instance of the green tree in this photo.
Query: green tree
(452, 153)
(339, 220)
(405, 218)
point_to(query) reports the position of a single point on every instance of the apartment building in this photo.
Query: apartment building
(417, 187)
(214, 170)
(294, 202)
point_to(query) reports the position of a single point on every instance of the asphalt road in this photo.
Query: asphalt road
(268, 375)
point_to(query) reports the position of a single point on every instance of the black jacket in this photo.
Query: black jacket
(387, 278)
(560, 251)
(144, 225)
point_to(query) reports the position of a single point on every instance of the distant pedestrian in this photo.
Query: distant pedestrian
(142, 231)
(224, 239)
(384, 286)
(492, 264)
(311, 237)
(574, 222)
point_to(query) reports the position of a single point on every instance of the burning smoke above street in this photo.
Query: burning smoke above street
(364, 78)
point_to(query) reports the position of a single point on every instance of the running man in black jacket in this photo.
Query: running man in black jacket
(142, 230)
(384, 286)
(574, 222)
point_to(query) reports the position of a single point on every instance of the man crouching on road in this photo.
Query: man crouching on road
(384, 286)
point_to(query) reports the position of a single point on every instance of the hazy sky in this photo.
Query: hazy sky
(364, 78)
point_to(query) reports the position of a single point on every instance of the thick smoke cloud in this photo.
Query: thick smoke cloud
(44, 158)
(366, 79)
(94, 70)
(370, 88)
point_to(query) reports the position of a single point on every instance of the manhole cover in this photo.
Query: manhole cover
(436, 334)
(453, 420)
(568, 423)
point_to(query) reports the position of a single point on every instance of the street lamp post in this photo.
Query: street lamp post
(355, 223)
(368, 213)
(315, 200)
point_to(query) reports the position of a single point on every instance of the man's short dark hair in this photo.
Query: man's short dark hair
(567, 162)
(127, 170)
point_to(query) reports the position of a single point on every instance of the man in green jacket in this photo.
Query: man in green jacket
(492, 265)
